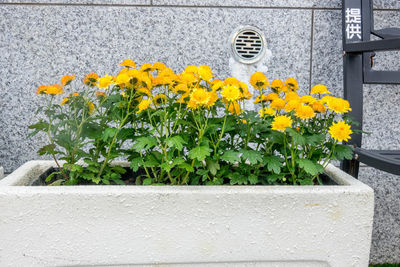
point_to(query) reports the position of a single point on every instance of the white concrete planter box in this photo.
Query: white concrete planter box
(327, 225)
(1, 172)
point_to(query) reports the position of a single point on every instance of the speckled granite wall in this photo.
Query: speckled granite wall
(40, 40)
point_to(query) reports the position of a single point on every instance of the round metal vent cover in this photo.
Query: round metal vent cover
(248, 44)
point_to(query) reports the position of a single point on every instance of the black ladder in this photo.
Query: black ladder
(358, 50)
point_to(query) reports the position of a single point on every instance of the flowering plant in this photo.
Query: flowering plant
(190, 128)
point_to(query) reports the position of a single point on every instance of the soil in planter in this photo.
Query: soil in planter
(130, 178)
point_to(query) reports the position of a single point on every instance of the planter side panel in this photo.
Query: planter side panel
(111, 225)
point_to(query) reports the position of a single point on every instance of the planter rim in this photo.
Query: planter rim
(20, 179)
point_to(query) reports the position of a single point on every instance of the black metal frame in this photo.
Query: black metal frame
(357, 71)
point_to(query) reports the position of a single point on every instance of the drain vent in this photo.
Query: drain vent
(248, 44)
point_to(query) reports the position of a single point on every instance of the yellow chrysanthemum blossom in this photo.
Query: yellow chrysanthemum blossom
(272, 96)
(292, 84)
(188, 78)
(232, 81)
(319, 89)
(143, 105)
(91, 79)
(184, 98)
(234, 108)
(260, 99)
(64, 101)
(213, 99)
(41, 90)
(278, 104)
(217, 85)
(159, 66)
(192, 104)
(105, 82)
(200, 97)
(277, 85)
(205, 72)
(230, 93)
(267, 112)
(159, 99)
(54, 89)
(146, 67)
(338, 105)
(291, 105)
(259, 81)
(122, 79)
(280, 123)
(291, 96)
(144, 92)
(340, 131)
(245, 91)
(67, 79)
(90, 107)
(307, 99)
(304, 112)
(75, 94)
(191, 69)
(317, 106)
(129, 63)
(100, 94)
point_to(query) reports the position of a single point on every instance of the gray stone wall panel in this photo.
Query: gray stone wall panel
(39, 44)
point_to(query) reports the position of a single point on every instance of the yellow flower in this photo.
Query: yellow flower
(244, 121)
(340, 131)
(205, 72)
(217, 85)
(319, 89)
(200, 97)
(129, 63)
(326, 99)
(304, 112)
(143, 105)
(146, 67)
(185, 97)
(159, 99)
(260, 99)
(75, 94)
(104, 82)
(100, 94)
(191, 69)
(54, 89)
(230, 93)
(232, 81)
(291, 96)
(91, 79)
(259, 81)
(278, 104)
(144, 91)
(292, 84)
(280, 123)
(64, 101)
(272, 96)
(267, 112)
(291, 105)
(90, 107)
(338, 105)
(192, 104)
(122, 79)
(234, 108)
(159, 66)
(67, 79)
(188, 78)
(213, 99)
(41, 90)
(317, 106)
(307, 99)
(277, 85)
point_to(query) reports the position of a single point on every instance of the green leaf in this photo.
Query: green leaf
(343, 152)
(237, 178)
(175, 141)
(253, 179)
(274, 177)
(212, 166)
(306, 181)
(57, 182)
(199, 153)
(145, 142)
(39, 126)
(147, 181)
(273, 163)
(135, 164)
(251, 155)
(48, 179)
(310, 167)
(186, 166)
(166, 166)
(231, 156)
(47, 150)
(119, 169)
(315, 139)
(297, 138)
(109, 133)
